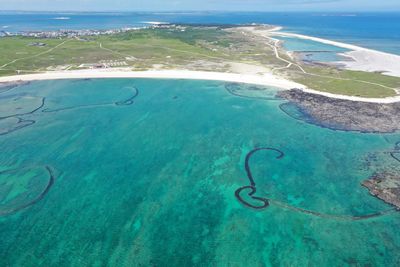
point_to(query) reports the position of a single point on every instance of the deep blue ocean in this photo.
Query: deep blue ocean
(380, 31)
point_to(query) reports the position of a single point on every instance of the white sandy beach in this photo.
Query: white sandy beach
(257, 79)
(363, 59)
(265, 79)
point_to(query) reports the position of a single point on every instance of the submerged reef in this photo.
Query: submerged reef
(339, 114)
(250, 91)
(23, 199)
(17, 108)
(249, 200)
(346, 115)
(12, 124)
(22, 188)
(386, 186)
(124, 102)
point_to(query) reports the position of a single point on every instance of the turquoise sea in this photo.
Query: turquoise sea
(138, 172)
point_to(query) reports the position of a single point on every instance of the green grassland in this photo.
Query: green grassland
(194, 48)
(347, 82)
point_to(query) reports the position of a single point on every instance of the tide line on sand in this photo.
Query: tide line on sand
(264, 79)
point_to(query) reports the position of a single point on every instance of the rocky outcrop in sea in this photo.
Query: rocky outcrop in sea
(339, 114)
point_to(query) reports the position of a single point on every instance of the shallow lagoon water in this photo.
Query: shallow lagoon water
(312, 50)
(152, 182)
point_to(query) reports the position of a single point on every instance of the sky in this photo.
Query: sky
(201, 5)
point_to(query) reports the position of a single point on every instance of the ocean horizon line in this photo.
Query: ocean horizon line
(199, 12)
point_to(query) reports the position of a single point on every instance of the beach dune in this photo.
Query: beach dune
(362, 59)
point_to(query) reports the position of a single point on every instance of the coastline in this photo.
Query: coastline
(339, 114)
(265, 79)
(362, 59)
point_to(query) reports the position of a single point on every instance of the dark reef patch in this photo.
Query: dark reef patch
(19, 203)
(19, 105)
(125, 102)
(385, 184)
(249, 91)
(13, 112)
(128, 101)
(10, 125)
(296, 112)
(395, 155)
(16, 108)
(339, 114)
(345, 115)
(265, 202)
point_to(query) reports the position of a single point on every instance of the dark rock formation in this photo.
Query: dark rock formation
(341, 114)
(386, 186)
(345, 115)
